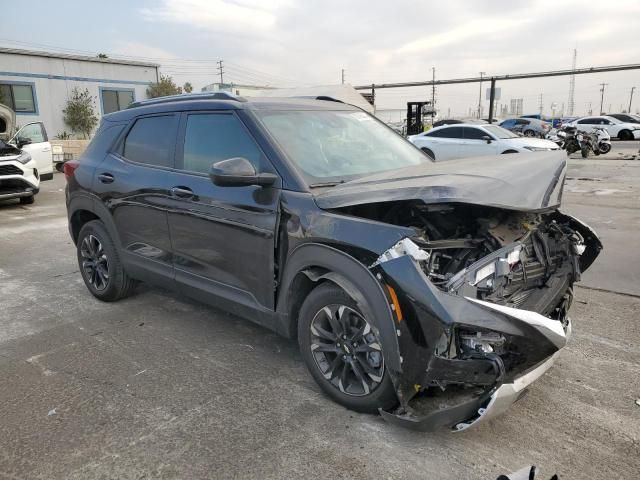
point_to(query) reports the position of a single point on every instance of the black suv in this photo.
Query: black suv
(432, 293)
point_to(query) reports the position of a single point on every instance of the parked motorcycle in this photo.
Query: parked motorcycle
(573, 141)
(602, 140)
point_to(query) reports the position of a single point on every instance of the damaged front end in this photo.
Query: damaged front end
(481, 298)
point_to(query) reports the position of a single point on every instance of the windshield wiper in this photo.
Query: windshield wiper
(326, 184)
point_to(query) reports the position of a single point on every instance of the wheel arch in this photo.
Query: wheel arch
(83, 209)
(311, 264)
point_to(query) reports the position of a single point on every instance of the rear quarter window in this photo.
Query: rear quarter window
(151, 140)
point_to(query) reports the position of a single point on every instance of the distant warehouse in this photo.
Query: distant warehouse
(37, 84)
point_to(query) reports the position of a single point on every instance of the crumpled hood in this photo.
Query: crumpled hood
(7, 122)
(523, 182)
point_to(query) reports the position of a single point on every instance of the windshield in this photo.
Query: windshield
(334, 146)
(499, 132)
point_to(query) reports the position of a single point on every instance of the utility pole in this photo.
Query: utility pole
(541, 106)
(602, 85)
(572, 84)
(343, 76)
(433, 93)
(590, 109)
(480, 96)
(630, 99)
(221, 71)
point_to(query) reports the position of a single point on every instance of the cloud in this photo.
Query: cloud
(476, 28)
(220, 15)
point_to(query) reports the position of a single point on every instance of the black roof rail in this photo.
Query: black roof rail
(188, 96)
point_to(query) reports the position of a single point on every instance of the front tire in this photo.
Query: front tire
(604, 148)
(625, 135)
(27, 200)
(529, 133)
(341, 351)
(100, 264)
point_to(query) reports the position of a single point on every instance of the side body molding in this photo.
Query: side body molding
(321, 262)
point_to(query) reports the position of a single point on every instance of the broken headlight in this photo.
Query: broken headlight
(480, 341)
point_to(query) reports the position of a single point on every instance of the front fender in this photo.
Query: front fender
(356, 279)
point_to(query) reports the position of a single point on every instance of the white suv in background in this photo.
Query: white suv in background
(469, 140)
(25, 158)
(615, 127)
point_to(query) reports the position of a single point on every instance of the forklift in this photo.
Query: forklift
(417, 113)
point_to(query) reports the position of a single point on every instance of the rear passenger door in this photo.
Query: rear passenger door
(447, 142)
(132, 181)
(223, 238)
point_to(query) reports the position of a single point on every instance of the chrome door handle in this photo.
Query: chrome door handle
(106, 178)
(181, 192)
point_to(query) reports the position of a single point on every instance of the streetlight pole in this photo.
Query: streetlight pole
(480, 96)
(630, 99)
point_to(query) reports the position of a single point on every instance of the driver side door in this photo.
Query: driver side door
(222, 237)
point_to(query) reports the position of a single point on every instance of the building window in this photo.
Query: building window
(19, 97)
(114, 100)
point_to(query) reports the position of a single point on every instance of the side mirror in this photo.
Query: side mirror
(487, 138)
(239, 172)
(22, 141)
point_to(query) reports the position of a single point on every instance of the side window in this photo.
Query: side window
(508, 124)
(114, 100)
(586, 121)
(452, 132)
(19, 97)
(604, 121)
(474, 133)
(522, 122)
(151, 141)
(436, 133)
(210, 138)
(33, 132)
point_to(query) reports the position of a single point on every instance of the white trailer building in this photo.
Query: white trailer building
(37, 84)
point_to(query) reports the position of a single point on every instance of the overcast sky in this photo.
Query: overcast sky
(294, 42)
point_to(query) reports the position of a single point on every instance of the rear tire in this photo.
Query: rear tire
(584, 151)
(341, 351)
(625, 135)
(529, 133)
(100, 264)
(27, 200)
(428, 153)
(60, 167)
(604, 148)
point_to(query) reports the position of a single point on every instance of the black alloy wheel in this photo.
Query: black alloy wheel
(342, 351)
(100, 265)
(346, 351)
(95, 264)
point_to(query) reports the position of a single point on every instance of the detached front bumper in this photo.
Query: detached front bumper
(474, 390)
